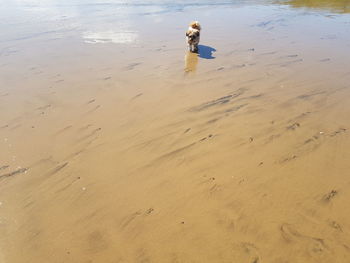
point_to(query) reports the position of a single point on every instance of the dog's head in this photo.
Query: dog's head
(192, 35)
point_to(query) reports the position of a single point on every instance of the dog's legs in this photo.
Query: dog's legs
(195, 48)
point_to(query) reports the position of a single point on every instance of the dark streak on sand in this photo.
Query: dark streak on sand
(187, 130)
(310, 95)
(94, 109)
(67, 185)
(4, 167)
(293, 126)
(64, 129)
(85, 127)
(18, 171)
(226, 112)
(170, 154)
(130, 218)
(217, 102)
(291, 62)
(302, 115)
(136, 96)
(236, 108)
(329, 196)
(131, 66)
(337, 132)
(92, 133)
(287, 63)
(57, 169)
(288, 159)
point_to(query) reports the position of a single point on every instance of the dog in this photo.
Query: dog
(192, 36)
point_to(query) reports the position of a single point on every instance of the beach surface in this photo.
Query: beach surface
(118, 145)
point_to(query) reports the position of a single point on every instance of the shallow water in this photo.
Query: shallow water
(117, 145)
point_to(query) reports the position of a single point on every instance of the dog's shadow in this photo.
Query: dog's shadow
(206, 52)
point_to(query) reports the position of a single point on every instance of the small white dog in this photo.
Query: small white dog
(193, 35)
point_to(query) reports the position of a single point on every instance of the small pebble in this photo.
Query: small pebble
(83, 188)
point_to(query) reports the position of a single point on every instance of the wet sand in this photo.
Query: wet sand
(116, 145)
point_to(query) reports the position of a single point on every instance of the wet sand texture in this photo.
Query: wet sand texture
(118, 146)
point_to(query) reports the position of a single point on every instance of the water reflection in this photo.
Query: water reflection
(191, 61)
(110, 37)
(338, 6)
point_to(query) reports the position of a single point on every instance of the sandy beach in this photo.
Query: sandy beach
(118, 145)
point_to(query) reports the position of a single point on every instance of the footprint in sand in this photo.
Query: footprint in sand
(329, 196)
(312, 244)
(252, 251)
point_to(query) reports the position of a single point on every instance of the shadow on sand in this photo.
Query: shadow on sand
(206, 52)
